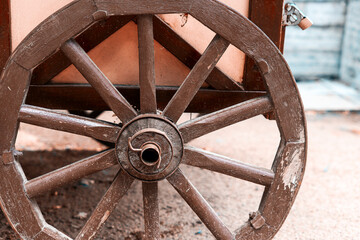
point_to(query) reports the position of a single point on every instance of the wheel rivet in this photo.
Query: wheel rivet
(100, 15)
(256, 220)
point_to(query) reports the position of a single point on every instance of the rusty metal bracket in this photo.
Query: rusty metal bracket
(293, 16)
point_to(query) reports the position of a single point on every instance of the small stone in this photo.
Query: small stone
(81, 215)
(86, 182)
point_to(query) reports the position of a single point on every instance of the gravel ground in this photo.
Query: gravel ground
(327, 206)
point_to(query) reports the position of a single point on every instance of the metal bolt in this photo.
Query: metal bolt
(256, 220)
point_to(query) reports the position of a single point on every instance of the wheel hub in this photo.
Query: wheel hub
(149, 148)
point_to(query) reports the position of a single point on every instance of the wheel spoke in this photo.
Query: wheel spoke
(98, 80)
(146, 64)
(70, 173)
(196, 78)
(199, 205)
(188, 55)
(69, 123)
(106, 205)
(225, 117)
(217, 163)
(151, 210)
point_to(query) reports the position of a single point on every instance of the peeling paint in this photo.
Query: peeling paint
(301, 131)
(105, 217)
(292, 172)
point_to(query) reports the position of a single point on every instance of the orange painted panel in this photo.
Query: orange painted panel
(117, 56)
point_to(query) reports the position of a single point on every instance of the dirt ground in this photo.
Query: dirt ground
(327, 206)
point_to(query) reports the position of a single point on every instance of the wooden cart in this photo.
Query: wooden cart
(148, 144)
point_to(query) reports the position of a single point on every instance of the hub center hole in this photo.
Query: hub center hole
(150, 155)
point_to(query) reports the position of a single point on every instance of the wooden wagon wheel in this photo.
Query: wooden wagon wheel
(150, 146)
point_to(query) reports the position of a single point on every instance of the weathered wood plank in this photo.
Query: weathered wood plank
(13, 86)
(151, 210)
(49, 232)
(85, 126)
(76, 97)
(267, 15)
(5, 33)
(107, 204)
(217, 163)
(70, 173)
(200, 206)
(146, 64)
(279, 80)
(196, 78)
(136, 7)
(99, 81)
(12, 193)
(289, 167)
(350, 67)
(225, 117)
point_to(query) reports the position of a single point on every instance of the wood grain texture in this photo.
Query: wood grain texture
(70, 173)
(53, 32)
(267, 15)
(277, 75)
(11, 192)
(225, 117)
(13, 87)
(182, 98)
(290, 160)
(5, 33)
(289, 171)
(151, 210)
(99, 81)
(49, 232)
(200, 206)
(69, 123)
(217, 163)
(74, 97)
(284, 96)
(135, 7)
(146, 64)
(107, 204)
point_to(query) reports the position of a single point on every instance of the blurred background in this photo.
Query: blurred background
(325, 58)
